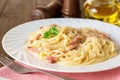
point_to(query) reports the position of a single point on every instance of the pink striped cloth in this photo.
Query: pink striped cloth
(113, 74)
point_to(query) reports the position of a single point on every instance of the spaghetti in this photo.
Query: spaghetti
(71, 46)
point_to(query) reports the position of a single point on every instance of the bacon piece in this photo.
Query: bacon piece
(37, 36)
(74, 43)
(76, 40)
(33, 49)
(53, 52)
(72, 46)
(101, 34)
(51, 59)
(41, 27)
(31, 41)
(104, 35)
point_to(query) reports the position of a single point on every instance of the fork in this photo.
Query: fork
(11, 64)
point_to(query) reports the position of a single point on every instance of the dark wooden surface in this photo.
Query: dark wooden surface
(15, 12)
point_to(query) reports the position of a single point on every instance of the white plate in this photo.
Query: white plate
(14, 40)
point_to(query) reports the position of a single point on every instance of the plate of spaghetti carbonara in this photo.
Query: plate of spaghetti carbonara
(65, 45)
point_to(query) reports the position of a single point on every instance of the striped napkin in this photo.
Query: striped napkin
(113, 74)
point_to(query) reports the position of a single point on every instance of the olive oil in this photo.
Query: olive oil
(104, 10)
(117, 2)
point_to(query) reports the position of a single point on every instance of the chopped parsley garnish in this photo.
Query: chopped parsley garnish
(53, 31)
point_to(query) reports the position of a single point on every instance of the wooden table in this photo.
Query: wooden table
(15, 12)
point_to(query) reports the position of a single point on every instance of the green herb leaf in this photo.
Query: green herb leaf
(53, 31)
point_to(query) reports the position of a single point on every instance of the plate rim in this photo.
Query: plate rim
(46, 68)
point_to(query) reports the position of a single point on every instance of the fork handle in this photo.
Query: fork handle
(59, 77)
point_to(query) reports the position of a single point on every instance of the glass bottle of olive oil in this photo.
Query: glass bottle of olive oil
(117, 2)
(104, 10)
